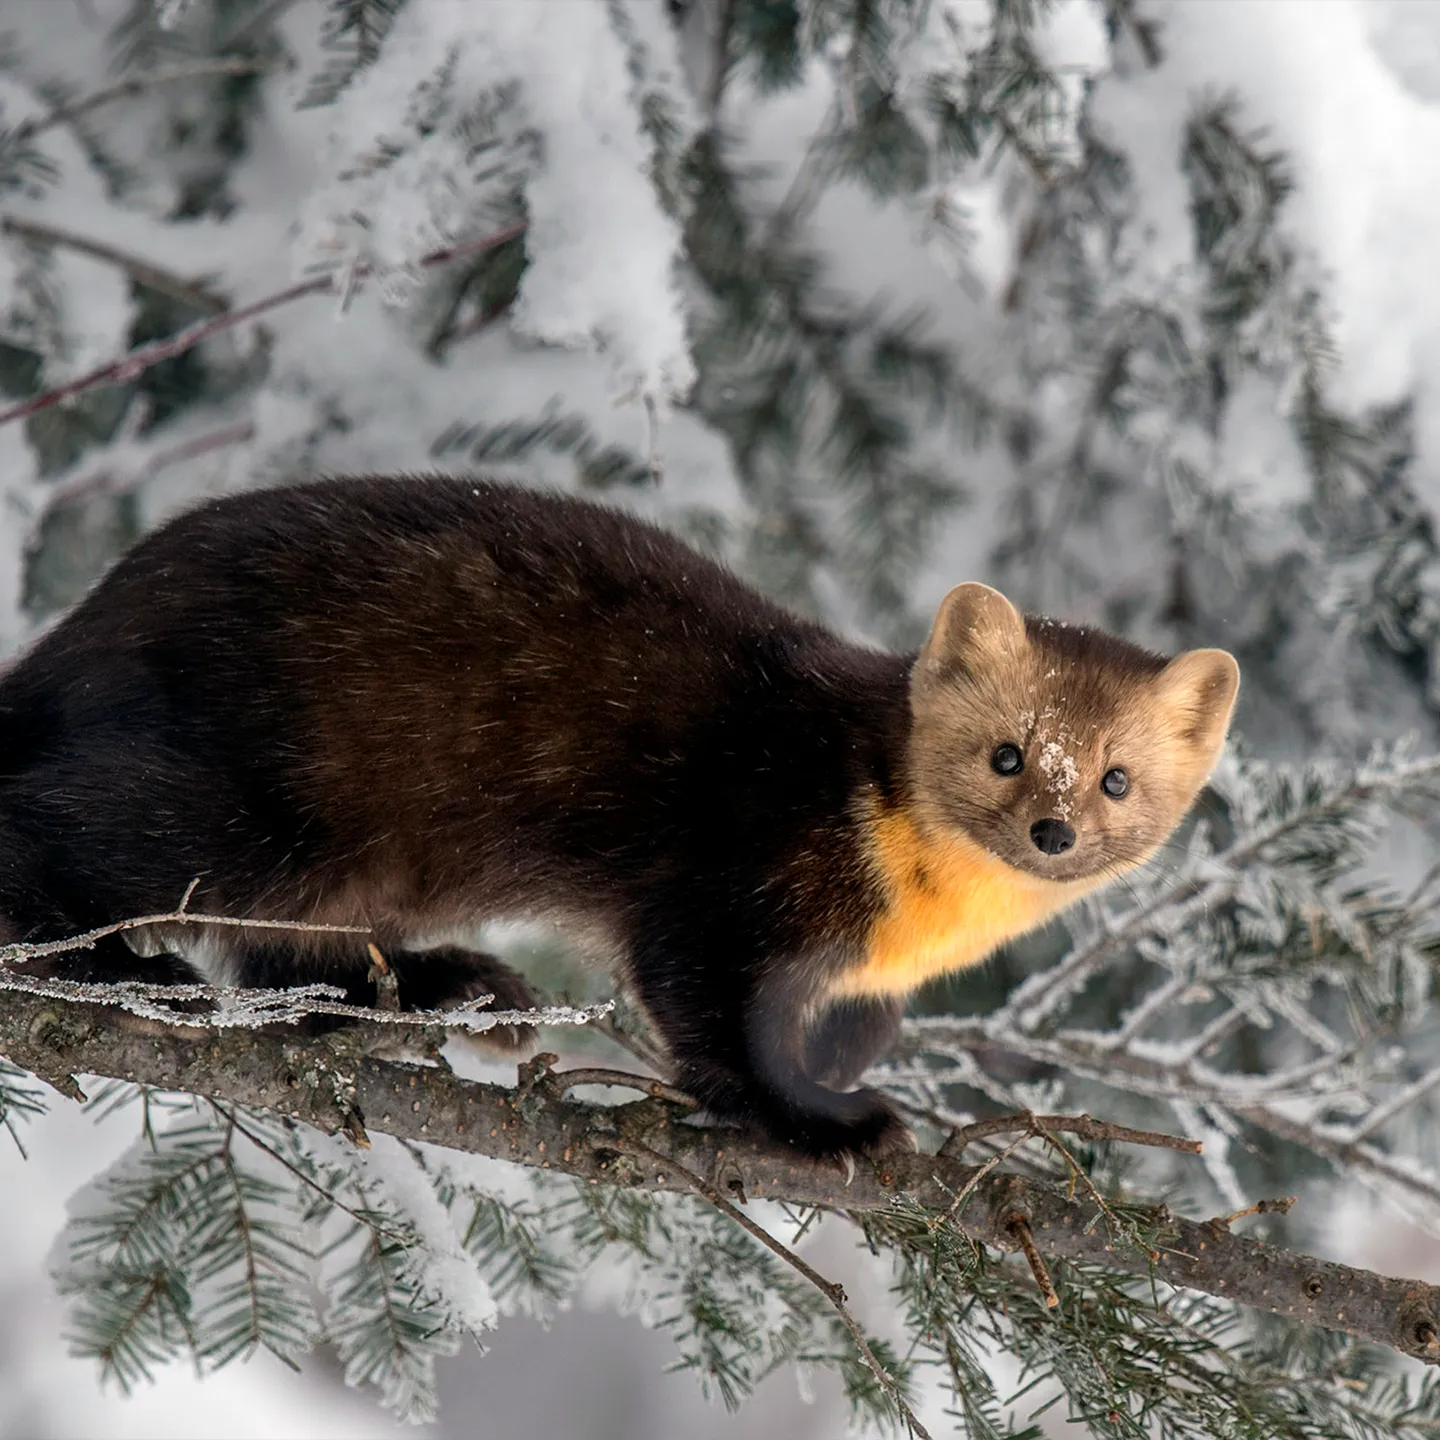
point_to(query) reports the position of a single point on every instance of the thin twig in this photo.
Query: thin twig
(652, 442)
(130, 366)
(719, 57)
(135, 86)
(1382, 1115)
(1019, 1227)
(1044, 1127)
(119, 482)
(596, 1075)
(830, 1289)
(142, 272)
(1085, 1126)
(20, 953)
(382, 977)
(267, 1148)
(1282, 1206)
(1079, 1175)
(808, 185)
(957, 1205)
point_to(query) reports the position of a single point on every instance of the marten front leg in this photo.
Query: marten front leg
(800, 1048)
(737, 1033)
(845, 1040)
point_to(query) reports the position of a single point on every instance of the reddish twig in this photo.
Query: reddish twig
(1283, 1206)
(120, 482)
(131, 366)
(189, 292)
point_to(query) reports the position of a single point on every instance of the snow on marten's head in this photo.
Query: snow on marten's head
(1066, 752)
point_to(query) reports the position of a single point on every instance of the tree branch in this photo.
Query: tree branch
(137, 85)
(1085, 1126)
(142, 272)
(325, 1082)
(128, 367)
(115, 480)
(832, 1290)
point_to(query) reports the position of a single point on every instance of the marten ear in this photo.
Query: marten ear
(1198, 692)
(976, 627)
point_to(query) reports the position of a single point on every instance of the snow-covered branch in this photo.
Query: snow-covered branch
(232, 1007)
(127, 367)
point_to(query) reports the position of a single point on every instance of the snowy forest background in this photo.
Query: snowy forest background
(1127, 307)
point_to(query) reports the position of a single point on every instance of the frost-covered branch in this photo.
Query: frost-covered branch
(232, 1007)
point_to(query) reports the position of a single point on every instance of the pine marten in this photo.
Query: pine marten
(411, 704)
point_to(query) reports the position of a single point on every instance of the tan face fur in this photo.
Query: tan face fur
(1077, 703)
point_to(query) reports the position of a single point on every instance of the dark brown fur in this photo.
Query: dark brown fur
(412, 704)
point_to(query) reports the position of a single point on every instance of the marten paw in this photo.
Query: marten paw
(860, 1122)
(483, 974)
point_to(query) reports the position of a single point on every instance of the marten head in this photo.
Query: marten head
(1066, 752)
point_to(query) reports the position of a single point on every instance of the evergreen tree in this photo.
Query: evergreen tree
(575, 245)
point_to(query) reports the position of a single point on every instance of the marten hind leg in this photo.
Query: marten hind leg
(798, 1103)
(441, 979)
(449, 977)
(813, 1119)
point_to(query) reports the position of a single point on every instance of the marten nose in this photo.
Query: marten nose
(1054, 837)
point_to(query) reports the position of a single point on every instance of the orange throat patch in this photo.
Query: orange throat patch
(949, 903)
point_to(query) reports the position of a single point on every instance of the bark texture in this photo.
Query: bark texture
(334, 1084)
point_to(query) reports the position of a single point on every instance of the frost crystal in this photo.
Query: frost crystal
(1061, 772)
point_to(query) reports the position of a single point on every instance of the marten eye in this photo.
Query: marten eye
(1116, 783)
(1007, 760)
